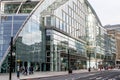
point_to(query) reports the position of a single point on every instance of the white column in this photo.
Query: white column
(55, 59)
(28, 63)
(95, 59)
(51, 56)
(59, 61)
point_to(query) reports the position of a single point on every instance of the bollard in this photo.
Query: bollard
(89, 69)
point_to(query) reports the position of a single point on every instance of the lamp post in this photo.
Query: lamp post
(11, 50)
(11, 42)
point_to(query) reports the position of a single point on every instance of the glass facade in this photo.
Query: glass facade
(70, 19)
(57, 51)
(29, 43)
(29, 37)
(110, 48)
(95, 39)
(67, 32)
(9, 24)
(46, 31)
(13, 6)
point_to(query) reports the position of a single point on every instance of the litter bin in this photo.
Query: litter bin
(89, 69)
(69, 71)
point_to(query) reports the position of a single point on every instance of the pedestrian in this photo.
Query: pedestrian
(31, 69)
(25, 72)
(65, 68)
(22, 69)
(18, 71)
(89, 69)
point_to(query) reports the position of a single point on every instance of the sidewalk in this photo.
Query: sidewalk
(39, 74)
(6, 76)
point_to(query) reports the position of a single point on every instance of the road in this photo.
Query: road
(105, 75)
(100, 75)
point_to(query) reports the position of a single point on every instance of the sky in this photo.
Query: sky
(108, 11)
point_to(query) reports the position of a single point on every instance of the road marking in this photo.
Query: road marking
(105, 78)
(99, 78)
(91, 74)
(92, 78)
(77, 78)
(112, 79)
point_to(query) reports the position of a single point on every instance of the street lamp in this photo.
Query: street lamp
(11, 42)
(11, 50)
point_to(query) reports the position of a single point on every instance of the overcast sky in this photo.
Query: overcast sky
(108, 11)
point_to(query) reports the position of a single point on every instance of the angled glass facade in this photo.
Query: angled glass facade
(9, 23)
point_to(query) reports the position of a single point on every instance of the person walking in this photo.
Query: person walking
(31, 69)
(18, 71)
(25, 71)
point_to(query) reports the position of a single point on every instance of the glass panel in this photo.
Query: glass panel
(13, 7)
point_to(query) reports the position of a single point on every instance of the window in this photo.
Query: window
(48, 21)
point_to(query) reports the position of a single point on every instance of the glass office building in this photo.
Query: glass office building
(46, 33)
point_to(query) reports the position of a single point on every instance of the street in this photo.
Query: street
(100, 75)
(105, 75)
